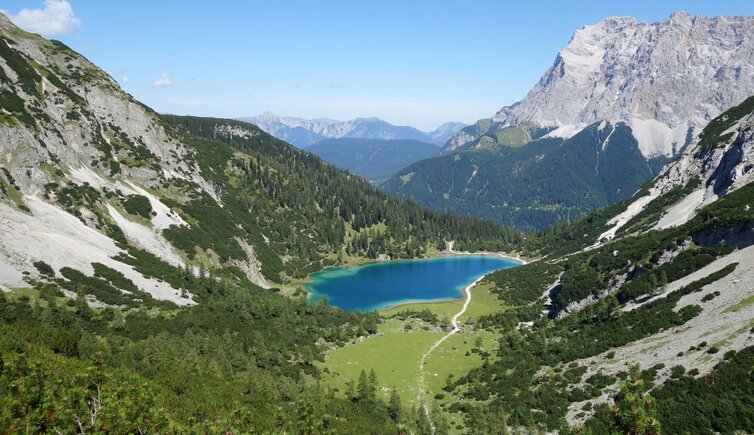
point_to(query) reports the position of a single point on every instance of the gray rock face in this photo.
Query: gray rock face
(665, 79)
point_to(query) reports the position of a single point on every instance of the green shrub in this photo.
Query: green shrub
(44, 268)
(138, 205)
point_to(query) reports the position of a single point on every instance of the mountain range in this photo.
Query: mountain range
(305, 132)
(620, 99)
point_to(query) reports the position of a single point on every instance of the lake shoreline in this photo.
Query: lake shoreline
(312, 295)
(440, 254)
(449, 253)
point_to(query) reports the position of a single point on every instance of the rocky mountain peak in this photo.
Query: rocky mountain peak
(665, 79)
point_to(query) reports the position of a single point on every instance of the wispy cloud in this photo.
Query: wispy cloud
(125, 79)
(56, 18)
(163, 81)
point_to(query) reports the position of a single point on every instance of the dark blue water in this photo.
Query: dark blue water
(380, 285)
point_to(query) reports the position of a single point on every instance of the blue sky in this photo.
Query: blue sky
(409, 62)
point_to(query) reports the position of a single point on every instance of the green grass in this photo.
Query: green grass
(741, 305)
(395, 353)
(450, 358)
(483, 303)
(441, 309)
(513, 136)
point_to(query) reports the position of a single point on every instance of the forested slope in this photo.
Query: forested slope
(664, 280)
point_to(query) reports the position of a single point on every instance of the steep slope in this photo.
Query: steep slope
(305, 132)
(75, 149)
(374, 159)
(105, 325)
(663, 279)
(662, 81)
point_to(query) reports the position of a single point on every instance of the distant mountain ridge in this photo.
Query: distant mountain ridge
(305, 132)
(374, 159)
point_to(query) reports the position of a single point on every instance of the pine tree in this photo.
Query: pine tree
(362, 388)
(634, 412)
(394, 407)
(350, 391)
(372, 385)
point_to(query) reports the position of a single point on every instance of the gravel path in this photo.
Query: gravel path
(454, 323)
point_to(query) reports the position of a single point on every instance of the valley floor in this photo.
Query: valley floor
(403, 343)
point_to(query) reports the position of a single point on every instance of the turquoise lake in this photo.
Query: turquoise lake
(376, 286)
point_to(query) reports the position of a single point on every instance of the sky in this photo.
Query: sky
(418, 63)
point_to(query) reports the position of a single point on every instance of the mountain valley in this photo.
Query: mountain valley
(155, 269)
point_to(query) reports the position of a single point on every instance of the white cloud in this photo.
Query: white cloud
(56, 18)
(125, 79)
(163, 81)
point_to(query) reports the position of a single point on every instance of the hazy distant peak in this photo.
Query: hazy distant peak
(305, 132)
